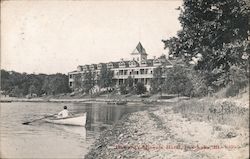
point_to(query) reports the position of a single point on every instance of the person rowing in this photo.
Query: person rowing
(64, 113)
(64, 117)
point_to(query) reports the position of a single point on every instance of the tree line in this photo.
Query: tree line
(22, 84)
(86, 81)
(214, 43)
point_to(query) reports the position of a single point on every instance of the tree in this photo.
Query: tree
(122, 89)
(33, 83)
(32, 89)
(16, 92)
(177, 82)
(77, 81)
(157, 80)
(238, 80)
(88, 81)
(238, 76)
(198, 83)
(59, 84)
(140, 88)
(214, 34)
(129, 84)
(18, 84)
(105, 78)
(109, 78)
(5, 81)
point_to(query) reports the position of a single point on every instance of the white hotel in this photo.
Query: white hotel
(139, 68)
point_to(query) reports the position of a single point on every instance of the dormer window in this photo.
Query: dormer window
(85, 67)
(156, 62)
(110, 65)
(144, 62)
(132, 64)
(99, 66)
(93, 67)
(122, 64)
(79, 68)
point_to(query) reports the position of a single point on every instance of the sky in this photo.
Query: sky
(57, 36)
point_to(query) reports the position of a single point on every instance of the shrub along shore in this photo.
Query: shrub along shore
(205, 128)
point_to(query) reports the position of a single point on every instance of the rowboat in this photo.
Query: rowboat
(117, 102)
(149, 101)
(5, 101)
(77, 120)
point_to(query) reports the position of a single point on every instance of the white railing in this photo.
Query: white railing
(133, 76)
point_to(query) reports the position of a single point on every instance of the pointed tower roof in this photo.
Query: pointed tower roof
(139, 49)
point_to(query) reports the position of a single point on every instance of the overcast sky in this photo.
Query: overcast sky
(56, 36)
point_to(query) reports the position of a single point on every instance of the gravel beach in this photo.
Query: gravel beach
(163, 133)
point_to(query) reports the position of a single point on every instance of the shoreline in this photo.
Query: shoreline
(164, 133)
(95, 99)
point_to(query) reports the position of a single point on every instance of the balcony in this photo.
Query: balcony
(71, 79)
(133, 76)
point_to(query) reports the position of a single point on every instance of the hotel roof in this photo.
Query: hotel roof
(139, 49)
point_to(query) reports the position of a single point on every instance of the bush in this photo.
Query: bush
(140, 88)
(123, 89)
(232, 90)
(223, 112)
(198, 80)
(177, 81)
(238, 80)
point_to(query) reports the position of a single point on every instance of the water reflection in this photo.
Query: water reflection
(74, 130)
(46, 140)
(101, 116)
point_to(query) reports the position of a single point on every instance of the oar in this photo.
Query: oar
(27, 123)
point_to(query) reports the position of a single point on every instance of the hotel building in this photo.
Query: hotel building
(140, 68)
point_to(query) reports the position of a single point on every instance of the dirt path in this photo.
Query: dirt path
(165, 134)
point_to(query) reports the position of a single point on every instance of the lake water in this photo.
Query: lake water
(45, 140)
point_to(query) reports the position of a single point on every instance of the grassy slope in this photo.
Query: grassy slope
(190, 124)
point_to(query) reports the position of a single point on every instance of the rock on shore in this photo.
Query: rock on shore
(165, 134)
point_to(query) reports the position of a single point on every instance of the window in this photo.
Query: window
(70, 76)
(156, 61)
(132, 64)
(121, 64)
(120, 72)
(70, 84)
(143, 80)
(110, 65)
